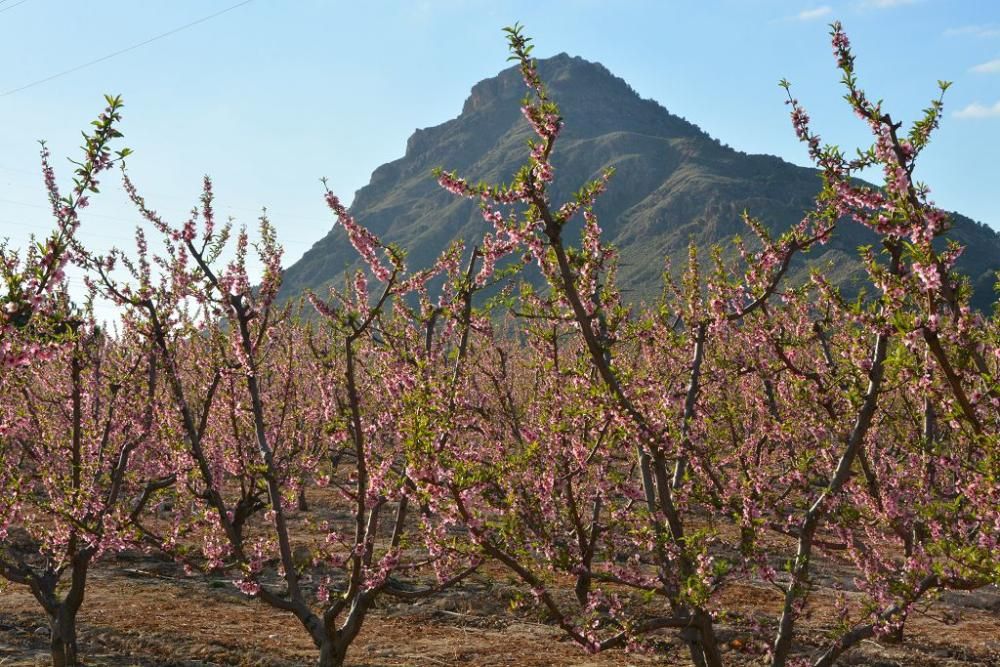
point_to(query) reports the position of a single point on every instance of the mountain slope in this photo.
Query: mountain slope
(672, 183)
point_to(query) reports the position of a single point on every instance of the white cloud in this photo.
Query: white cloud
(813, 14)
(988, 67)
(979, 30)
(977, 110)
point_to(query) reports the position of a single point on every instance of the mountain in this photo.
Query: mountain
(672, 183)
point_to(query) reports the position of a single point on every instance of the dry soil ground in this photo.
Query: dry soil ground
(145, 612)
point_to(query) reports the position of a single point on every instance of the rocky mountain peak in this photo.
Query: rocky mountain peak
(673, 184)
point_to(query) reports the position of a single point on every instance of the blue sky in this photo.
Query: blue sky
(272, 95)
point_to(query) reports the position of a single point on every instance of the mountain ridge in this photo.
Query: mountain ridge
(673, 183)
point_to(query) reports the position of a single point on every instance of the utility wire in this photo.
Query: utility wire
(7, 9)
(134, 220)
(120, 52)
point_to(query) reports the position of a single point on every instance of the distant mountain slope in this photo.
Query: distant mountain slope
(673, 183)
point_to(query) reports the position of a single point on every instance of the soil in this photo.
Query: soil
(141, 611)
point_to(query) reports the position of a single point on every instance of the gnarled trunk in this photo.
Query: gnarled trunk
(701, 641)
(332, 654)
(62, 643)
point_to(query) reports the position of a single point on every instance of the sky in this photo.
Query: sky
(268, 96)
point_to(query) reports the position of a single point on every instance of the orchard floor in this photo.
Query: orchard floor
(144, 612)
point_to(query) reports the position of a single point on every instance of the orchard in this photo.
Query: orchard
(626, 468)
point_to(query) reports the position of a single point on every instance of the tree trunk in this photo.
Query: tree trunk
(331, 654)
(62, 615)
(692, 638)
(709, 642)
(62, 642)
(701, 641)
(303, 502)
(896, 636)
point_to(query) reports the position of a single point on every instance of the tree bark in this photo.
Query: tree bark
(62, 644)
(303, 502)
(332, 654)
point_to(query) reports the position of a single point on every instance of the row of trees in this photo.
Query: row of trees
(409, 431)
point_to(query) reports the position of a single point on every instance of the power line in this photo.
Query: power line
(7, 9)
(138, 220)
(120, 52)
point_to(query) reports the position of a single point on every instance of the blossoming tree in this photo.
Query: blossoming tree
(76, 419)
(751, 408)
